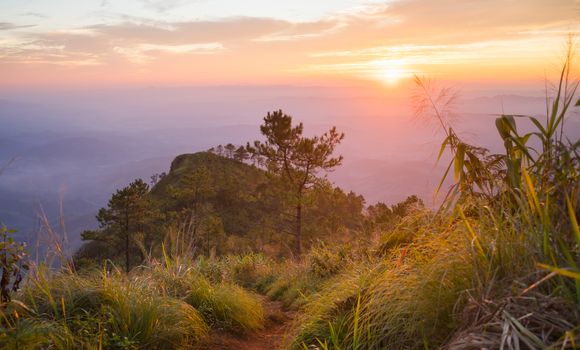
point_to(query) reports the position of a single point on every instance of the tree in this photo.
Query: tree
(241, 154)
(381, 217)
(193, 203)
(406, 207)
(295, 158)
(155, 178)
(126, 215)
(230, 150)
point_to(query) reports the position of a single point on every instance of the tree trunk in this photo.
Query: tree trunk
(298, 235)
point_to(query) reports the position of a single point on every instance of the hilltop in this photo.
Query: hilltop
(233, 207)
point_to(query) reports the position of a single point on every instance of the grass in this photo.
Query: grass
(227, 306)
(155, 307)
(498, 266)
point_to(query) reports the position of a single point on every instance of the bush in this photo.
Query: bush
(222, 305)
(226, 306)
(112, 311)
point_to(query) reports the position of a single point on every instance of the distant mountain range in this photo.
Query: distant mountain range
(85, 145)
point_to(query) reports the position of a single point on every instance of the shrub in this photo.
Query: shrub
(227, 306)
(112, 310)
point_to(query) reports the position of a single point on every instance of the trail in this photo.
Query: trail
(270, 338)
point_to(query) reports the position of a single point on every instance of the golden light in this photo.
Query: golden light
(390, 71)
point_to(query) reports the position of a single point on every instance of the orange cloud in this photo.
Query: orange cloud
(453, 38)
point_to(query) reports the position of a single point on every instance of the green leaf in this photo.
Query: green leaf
(474, 238)
(444, 177)
(501, 128)
(539, 126)
(562, 272)
(573, 220)
(459, 159)
(443, 146)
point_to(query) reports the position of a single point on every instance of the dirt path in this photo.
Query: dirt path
(270, 338)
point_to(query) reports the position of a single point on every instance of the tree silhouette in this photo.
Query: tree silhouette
(296, 158)
(126, 215)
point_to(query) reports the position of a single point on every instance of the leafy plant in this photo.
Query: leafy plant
(12, 264)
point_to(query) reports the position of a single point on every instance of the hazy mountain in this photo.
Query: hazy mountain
(86, 144)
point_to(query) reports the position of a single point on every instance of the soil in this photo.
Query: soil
(270, 338)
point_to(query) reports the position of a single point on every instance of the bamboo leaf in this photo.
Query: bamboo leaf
(562, 272)
(444, 177)
(459, 159)
(443, 146)
(554, 113)
(531, 192)
(573, 220)
(501, 128)
(539, 126)
(474, 237)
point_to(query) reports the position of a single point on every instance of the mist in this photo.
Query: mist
(82, 145)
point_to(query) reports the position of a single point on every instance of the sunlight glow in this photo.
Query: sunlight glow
(390, 72)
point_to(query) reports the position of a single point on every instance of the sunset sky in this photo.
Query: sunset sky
(181, 42)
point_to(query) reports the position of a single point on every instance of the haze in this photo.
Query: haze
(96, 93)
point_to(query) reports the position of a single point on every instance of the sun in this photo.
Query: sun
(390, 72)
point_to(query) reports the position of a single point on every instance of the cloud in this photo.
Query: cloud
(34, 14)
(136, 42)
(180, 33)
(301, 31)
(11, 26)
(143, 53)
(444, 32)
(414, 33)
(164, 5)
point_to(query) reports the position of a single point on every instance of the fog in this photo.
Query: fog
(83, 145)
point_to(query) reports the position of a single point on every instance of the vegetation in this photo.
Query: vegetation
(125, 217)
(296, 159)
(496, 267)
(213, 206)
(12, 264)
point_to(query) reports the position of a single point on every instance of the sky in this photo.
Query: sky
(101, 43)
(95, 93)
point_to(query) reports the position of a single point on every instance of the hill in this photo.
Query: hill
(234, 192)
(215, 205)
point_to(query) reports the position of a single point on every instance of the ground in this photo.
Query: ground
(270, 338)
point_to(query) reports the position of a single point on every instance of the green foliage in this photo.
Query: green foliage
(124, 221)
(497, 266)
(109, 310)
(472, 275)
(296, 159)
(249, 270)
(215, 206)
(12, 264)
(227, 306)
(383, 218)
(222, 304)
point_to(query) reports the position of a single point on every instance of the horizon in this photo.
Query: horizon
(133, 84)
(261, 175)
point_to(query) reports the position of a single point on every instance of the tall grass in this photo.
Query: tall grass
(496, 267)
(111, 311)
(163, 305)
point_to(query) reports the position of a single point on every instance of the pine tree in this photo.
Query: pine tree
(297, 159)
(125, 217)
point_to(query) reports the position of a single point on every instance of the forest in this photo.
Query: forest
(252, 247)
